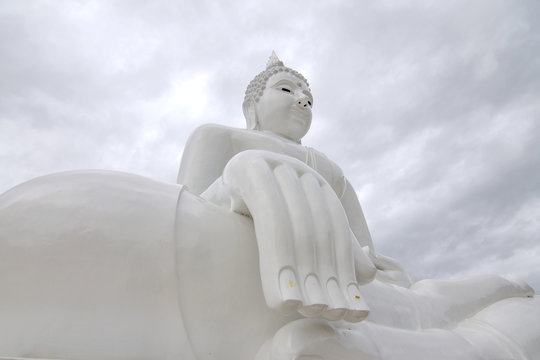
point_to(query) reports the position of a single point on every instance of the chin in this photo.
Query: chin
(301, 127)
(298, 135)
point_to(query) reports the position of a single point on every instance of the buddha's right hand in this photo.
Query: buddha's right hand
(309, 258)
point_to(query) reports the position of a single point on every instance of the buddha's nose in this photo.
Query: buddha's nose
(303, 101)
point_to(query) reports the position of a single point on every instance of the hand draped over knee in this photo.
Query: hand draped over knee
(310, 260)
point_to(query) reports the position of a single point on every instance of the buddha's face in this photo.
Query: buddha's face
(285, 106)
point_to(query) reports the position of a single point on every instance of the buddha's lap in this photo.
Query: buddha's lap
(124, 260)
(138, 267)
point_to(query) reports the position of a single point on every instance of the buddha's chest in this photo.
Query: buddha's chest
(314, 159)
(260, 141)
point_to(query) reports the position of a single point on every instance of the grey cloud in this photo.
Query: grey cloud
(430, 108)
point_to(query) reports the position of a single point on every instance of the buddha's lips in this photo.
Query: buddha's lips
(300, 113)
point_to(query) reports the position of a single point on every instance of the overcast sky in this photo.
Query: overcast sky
(431, 108)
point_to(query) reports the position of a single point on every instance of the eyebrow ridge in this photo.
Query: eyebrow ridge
(287, 81)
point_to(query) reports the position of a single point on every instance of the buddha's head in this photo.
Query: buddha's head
(279, 100)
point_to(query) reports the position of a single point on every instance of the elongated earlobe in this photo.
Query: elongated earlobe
(250, 114)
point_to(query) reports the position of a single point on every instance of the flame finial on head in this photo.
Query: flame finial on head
(273, 60)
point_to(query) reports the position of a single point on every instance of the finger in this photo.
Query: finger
(256, 183)
(324, 247)
(345, 262)
(303, 234)
(342, 237)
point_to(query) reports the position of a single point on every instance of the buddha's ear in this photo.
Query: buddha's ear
(250, 113)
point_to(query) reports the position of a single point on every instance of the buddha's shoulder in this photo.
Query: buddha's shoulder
(212, 130)
(220, 130)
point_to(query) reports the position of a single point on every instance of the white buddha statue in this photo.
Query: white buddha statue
(261, 251)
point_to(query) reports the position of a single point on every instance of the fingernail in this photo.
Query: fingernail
(336, 297)
(360, 310)
(314, 291)
(290, 292)
(316, 301)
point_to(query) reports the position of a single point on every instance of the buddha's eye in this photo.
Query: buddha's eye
(286, 90)
(309, 102)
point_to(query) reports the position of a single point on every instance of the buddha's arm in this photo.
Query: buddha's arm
(389, 271)
(345, 192)
(355, 215)
(206, 153)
